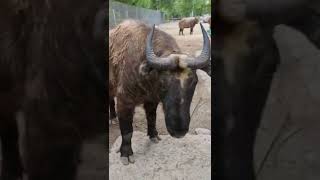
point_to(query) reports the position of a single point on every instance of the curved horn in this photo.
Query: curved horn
(158, 62)
(203, 59)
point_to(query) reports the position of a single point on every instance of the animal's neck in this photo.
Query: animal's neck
(141, 87)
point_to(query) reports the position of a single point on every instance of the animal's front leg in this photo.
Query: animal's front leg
(50, 157)
(151, 113)
(53, 142)
(11, 162)
(125, 116)
(113, 114)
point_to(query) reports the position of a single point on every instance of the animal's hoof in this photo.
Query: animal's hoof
(124, 160)
(113, 121)
(131, 159)
(155, 139)
(127, 160)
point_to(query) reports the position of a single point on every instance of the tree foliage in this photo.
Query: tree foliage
(174, 8)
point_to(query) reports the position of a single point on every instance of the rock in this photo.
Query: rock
(290, 123)
(186, 158)
(202, 131)
(204, 80)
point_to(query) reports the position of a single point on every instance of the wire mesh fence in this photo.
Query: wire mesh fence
(120, 11)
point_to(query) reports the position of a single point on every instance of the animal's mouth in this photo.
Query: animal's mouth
(177, 133)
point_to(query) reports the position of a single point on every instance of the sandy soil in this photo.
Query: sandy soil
(201, 106)
(170, 159)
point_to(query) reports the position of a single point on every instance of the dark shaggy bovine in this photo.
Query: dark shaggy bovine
(244, 66)
(147, 67)
(188, 22)
(52, 68)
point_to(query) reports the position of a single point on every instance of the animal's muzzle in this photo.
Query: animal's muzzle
(177, 133)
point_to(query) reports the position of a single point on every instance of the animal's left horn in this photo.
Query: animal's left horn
(158, 62)
(203, 59)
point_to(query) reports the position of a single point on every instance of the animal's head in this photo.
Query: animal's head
(178, 80)
(196, 20)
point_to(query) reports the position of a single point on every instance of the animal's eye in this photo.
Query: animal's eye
(163, 90)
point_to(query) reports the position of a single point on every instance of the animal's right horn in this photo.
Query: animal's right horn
(158, 62)
(203, 59)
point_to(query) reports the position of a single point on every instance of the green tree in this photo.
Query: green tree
(174, 8)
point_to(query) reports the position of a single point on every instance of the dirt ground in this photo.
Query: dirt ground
(201, 104)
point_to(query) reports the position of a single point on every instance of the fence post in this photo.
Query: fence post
(137, 16)
(114, 17)
(122, 11)
(127, 13)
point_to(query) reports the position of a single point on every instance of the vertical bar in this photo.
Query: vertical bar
(114, 17)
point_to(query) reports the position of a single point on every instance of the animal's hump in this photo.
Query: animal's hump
(130, 36)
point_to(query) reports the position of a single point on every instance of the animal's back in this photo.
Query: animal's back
(127, 44)
(187, 22)
(124, 51)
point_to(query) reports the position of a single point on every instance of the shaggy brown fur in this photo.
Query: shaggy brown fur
(188, 22)
(127, 54)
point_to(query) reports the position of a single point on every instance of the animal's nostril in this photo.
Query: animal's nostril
(178, 133)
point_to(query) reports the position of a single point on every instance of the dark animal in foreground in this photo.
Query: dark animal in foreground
(247, 58)
(52, 68)
(149, 69)
(188, 22)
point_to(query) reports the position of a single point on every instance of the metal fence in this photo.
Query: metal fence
(120, 11)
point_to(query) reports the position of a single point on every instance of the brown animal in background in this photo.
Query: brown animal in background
(146, 66)
(188, 22)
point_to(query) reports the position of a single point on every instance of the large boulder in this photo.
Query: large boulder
(290, 124)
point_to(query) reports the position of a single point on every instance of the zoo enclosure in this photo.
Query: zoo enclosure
(120, 11)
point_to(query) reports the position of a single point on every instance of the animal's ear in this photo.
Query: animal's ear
(144, 69)
(207, 69)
